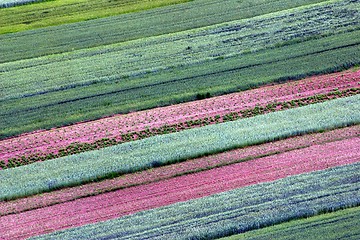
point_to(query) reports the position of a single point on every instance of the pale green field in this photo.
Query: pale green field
(125, 27)
(342, 224)
(57, 12)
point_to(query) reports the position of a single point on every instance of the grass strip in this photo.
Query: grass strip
(65, 38)
(235, 211)
(167, 149)
(342, 224)
(57, 12)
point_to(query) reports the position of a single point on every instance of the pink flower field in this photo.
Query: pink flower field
(183, 188)
(51, 141)
(166, 172)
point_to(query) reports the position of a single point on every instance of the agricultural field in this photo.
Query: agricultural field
(180, 119)
(142, 124)
(260, 205)
(137, 25)
(343, 224)
(178, 67)
(56, 12)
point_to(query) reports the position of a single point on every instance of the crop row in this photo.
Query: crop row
(51, 74)
(194, 14)
(187, 167)
(217, 77)
(128, 201)
(342, 224)
(60, 12)
(213, 118)
(242, 210)
(170, 148)
(112, 127)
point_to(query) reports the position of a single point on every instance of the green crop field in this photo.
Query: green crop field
(176, 68)
(56, 12)
(127, 27)
(179, 119)
(342, 224)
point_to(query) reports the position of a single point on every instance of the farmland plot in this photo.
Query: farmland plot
(92, 135)
(195, 14)
(246, 209)
(23, 78)
(57, 12)
(171, 148)
(127, 201)
(183, 168)
(342, 224)
(179, 119)
(98, 94)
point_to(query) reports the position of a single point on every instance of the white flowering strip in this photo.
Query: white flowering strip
(12, 3)
(234, 211)
(171, 148)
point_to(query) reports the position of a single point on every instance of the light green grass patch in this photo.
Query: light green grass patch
(342, 224)
(51, 13)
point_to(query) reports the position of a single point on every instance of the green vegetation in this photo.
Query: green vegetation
(66, 61)
(64, 38)
(342, 224)
(56, 12)
(170, 148)
(241, 210)
(58, 90)
(105, 94)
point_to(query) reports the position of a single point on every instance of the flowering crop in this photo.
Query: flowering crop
(136, 126)
(128, 201)
(171, 148)
(81, 137)
(190, 166)
(242, 209)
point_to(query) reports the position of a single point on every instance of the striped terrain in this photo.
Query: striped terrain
(198, 119)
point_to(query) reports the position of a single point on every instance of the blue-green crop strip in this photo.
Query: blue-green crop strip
(342, 224)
